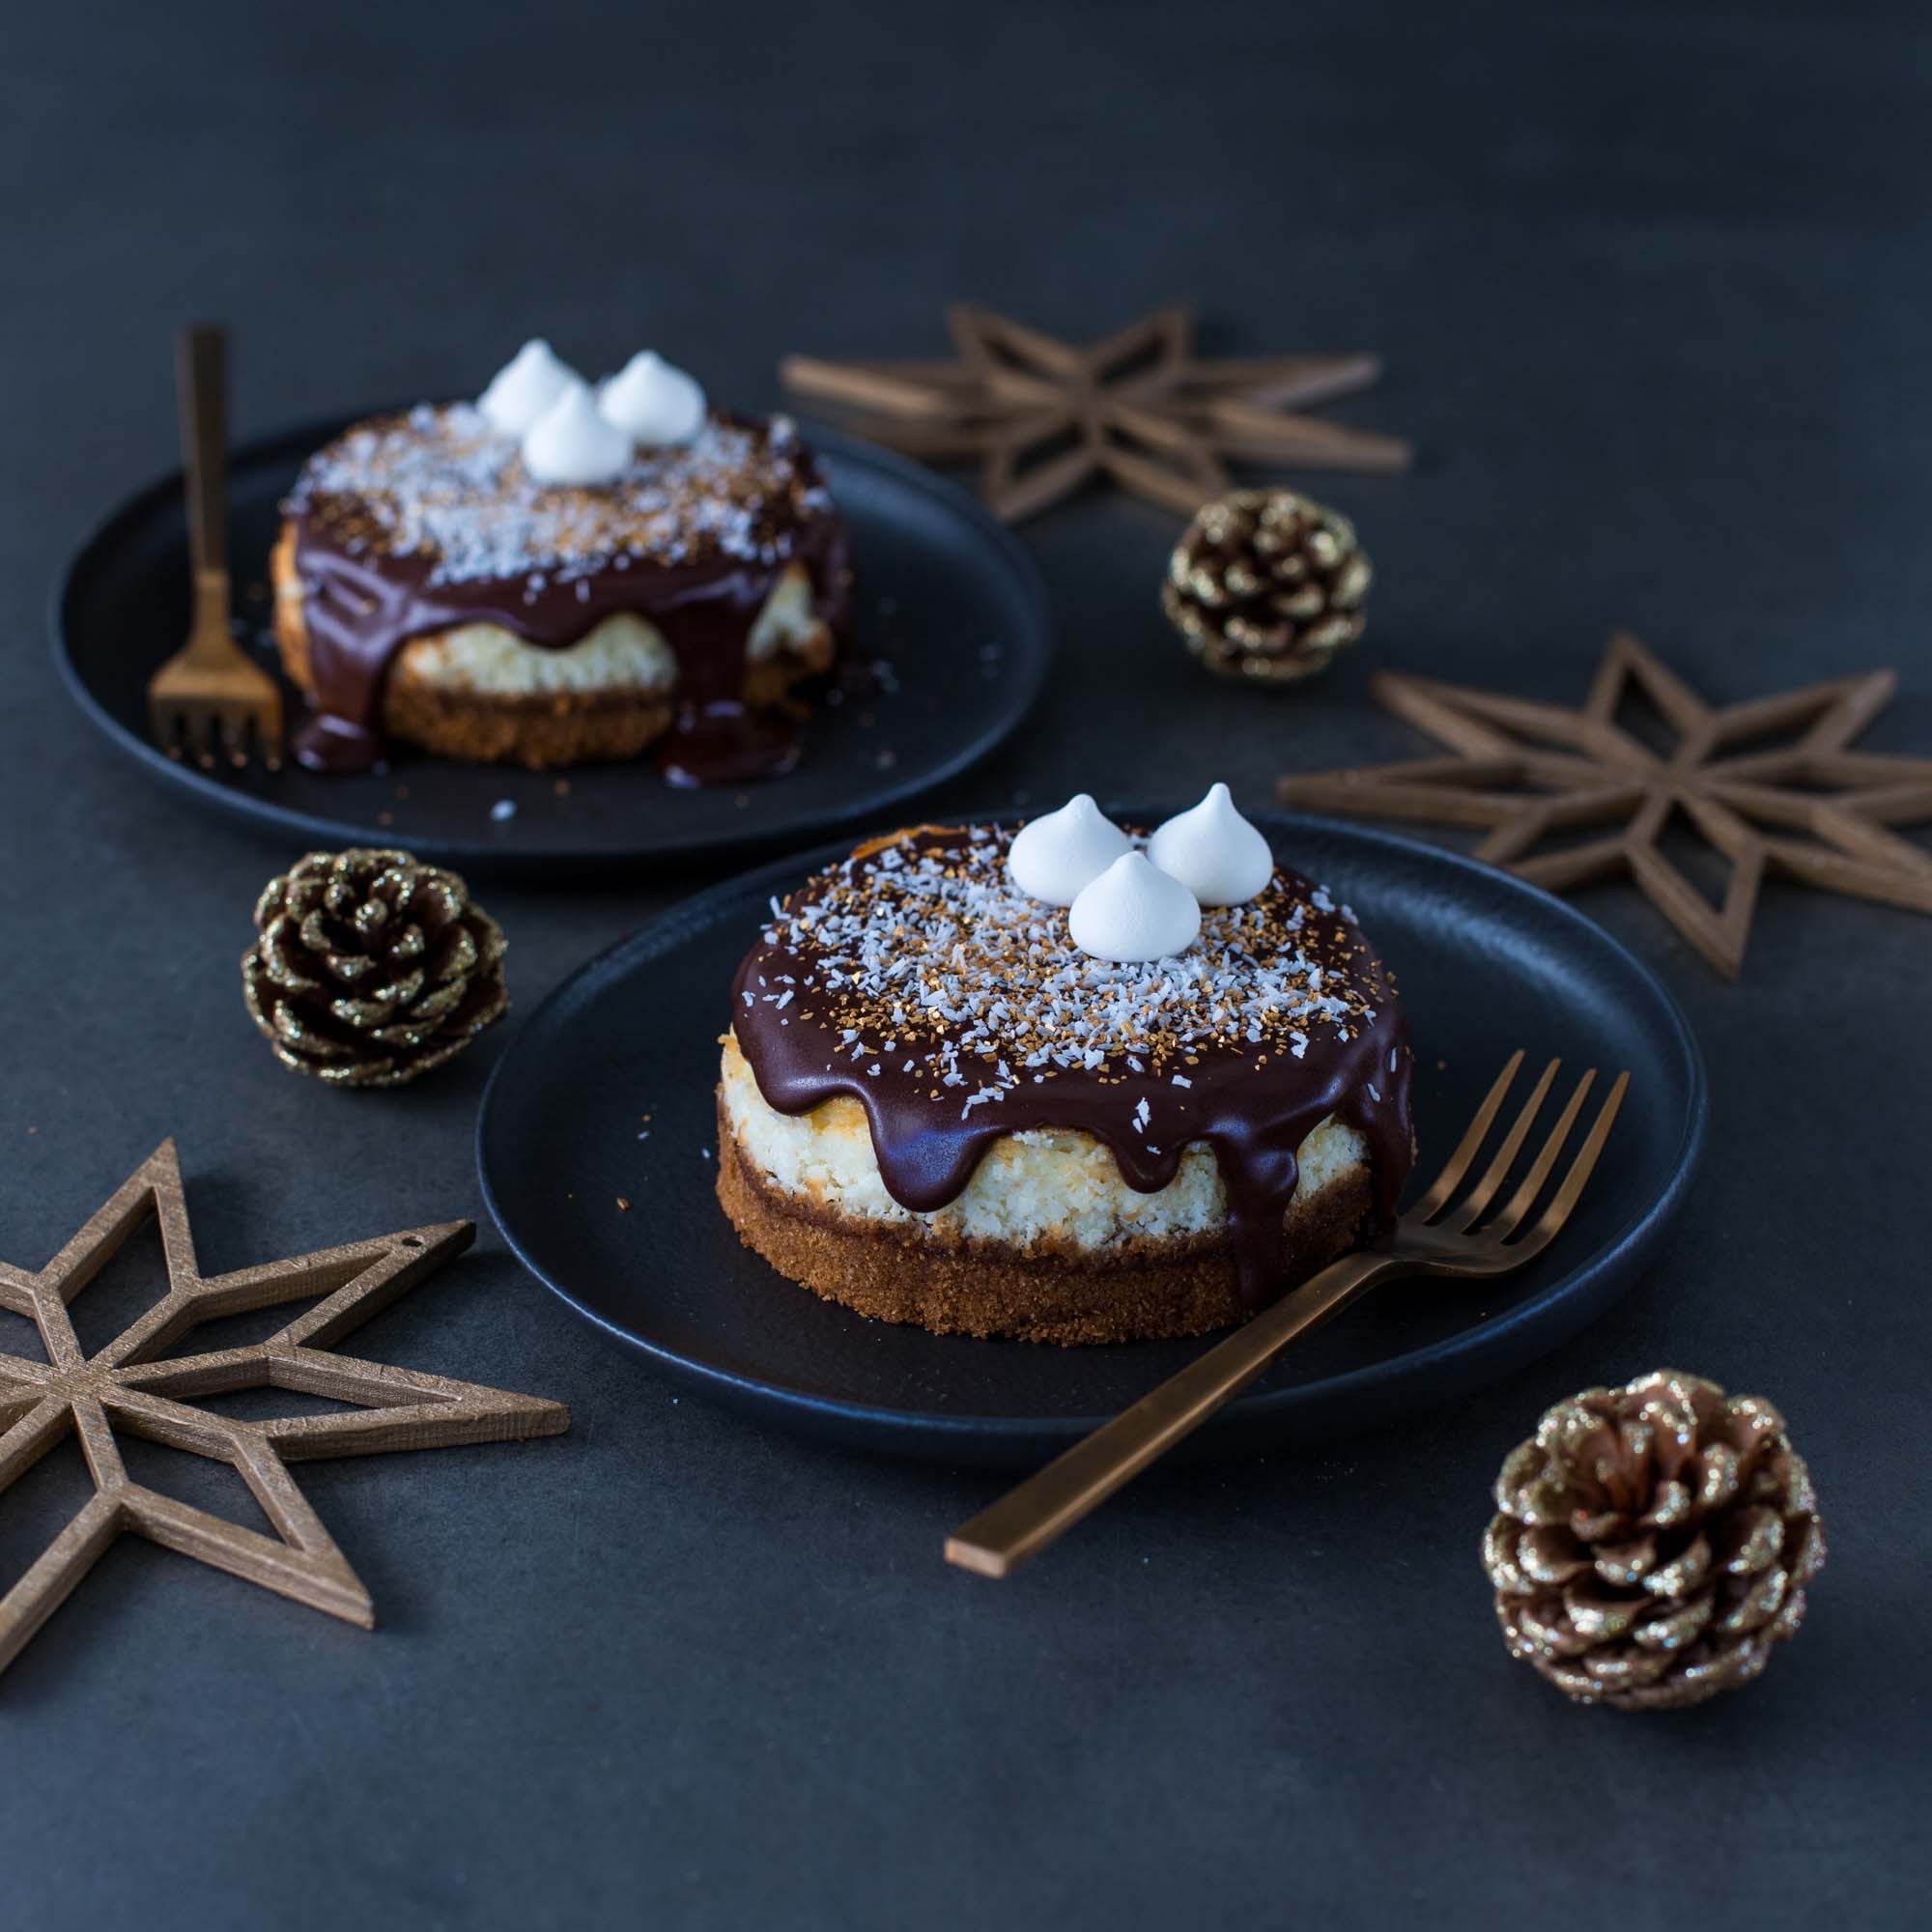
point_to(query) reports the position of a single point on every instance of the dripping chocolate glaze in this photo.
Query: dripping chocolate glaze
(362, 603)
(1253, 1117)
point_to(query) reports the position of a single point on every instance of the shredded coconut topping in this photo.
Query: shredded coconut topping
(441, 484)
(925, 946)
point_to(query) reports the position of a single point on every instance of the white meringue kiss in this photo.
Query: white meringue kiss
(570, 443)
(653, 402)
(1134, 912)
(1213, 851)
(525, 388)
(1052, 858)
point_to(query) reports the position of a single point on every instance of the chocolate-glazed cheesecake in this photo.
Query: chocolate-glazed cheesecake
(936, 1108)
(430, 587)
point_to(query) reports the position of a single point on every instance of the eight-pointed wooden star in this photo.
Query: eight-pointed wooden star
(123, 1389)
(1523, 771)
(1138, 408)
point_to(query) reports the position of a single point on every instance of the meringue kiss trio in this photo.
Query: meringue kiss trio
(573, 434)
(1129, 907)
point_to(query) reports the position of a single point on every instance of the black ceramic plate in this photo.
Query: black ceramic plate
(1487, 964)
(946, 598)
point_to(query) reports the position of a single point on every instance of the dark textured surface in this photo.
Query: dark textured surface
(1652, 284)
(1485, 962)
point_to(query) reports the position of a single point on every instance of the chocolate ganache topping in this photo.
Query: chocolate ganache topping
(917, 979)
(428, 520)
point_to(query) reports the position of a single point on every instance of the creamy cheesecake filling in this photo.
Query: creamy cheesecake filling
(623, 653)
(1041, 1189)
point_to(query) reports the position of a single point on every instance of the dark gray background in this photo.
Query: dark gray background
(1652, 283)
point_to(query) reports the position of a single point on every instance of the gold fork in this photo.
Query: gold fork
(207, 696)
(1429, 1239)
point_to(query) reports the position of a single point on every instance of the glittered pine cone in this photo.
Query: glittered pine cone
(371, 968)
(1266, 585)
(1653, 1543)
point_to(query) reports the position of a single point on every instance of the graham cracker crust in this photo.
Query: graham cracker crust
(1142, 1291)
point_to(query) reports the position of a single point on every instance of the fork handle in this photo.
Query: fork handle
(1046, 1505)
(201, 392)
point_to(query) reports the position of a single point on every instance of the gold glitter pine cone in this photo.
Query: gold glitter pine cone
(1266, 585)
(1653, 1542)
(371, 968)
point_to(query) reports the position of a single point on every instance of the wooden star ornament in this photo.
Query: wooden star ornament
(122, 1389)
(1137, 408)
(1522, 772)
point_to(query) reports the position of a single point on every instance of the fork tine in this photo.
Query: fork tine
(263, 745)
(1574, 1182)
(217, 730)
(1524, 1198)
(1498, 1171)
(1450, 1179)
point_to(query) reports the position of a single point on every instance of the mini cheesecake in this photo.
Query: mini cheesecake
(428, 588)
(935, 1108)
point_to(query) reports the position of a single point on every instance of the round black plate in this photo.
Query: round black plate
(946, 598)
(1485, 964)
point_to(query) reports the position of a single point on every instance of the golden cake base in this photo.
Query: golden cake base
(1138, 1290)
